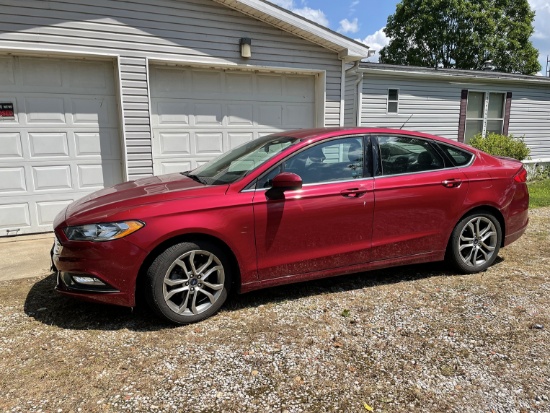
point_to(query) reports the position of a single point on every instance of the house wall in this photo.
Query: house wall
(430, 107)
(351, 99)
(530, 117)
(433, 106)
(186, 32)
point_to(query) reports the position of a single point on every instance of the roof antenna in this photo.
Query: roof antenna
(407, 121)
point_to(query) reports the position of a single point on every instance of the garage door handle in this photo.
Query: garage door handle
(353, 192)
(451, 183)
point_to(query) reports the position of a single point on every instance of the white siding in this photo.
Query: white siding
(434, 105)
(184, 31)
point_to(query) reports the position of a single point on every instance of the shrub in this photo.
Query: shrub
(501, 145)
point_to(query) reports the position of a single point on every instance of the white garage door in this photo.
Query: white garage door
(199, 114)
(62, 141)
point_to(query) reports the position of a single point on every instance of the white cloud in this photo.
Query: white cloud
(352, 6)
(375, 41)
(317, 16)
(347, 26)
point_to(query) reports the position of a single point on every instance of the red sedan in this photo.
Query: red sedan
(289, 207)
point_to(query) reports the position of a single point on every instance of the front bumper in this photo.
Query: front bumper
(114, 265)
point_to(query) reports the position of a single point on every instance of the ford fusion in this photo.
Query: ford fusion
(287, 208)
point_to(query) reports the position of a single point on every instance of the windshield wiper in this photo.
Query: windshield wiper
(194, 177)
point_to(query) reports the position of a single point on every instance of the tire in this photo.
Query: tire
(188, 282)
(475, 242)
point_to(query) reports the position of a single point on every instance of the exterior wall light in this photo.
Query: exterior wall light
(246, 47)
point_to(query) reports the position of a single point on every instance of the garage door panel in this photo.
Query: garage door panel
(48, 178)
(7, 70)
(45, 110)
(48, 144)
(239, 83)
(102, 144)
(298, 116)
(175, 167)
(96, 111)
(12, 179)
(238, 138)
(207, 81)
(208, 143)
(270, 85)
(89, 75)
(15, 215)
(174, 143)
(10, 145)
(208, 114)
(240, 114)
(90, 176)
(300, 87)
(47, 210)
(43, 72)
(173, 112)
(170, 81)
(270, 115)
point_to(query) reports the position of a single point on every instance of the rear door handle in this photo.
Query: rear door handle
(451, 183)
(353, 192)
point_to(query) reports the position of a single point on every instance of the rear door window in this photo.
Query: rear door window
(403, 154)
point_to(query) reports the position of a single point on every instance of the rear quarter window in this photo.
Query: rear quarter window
(459, 156)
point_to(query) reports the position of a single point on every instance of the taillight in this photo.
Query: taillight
(521, 176)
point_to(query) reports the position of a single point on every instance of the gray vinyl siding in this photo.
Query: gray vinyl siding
(350, 105)
(435, 107)
(430, 107)
(530, 117)
(182, 31)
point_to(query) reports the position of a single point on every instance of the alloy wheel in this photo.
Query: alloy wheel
(478, 241)
(193, 283)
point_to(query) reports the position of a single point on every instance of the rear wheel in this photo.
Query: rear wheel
(475, 242)
(188, 282)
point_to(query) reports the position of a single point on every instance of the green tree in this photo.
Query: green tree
(462, 34)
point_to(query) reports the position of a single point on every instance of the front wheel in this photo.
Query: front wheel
(475, 242)
(188, 282)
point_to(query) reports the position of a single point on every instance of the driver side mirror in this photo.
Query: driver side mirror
(285, 181)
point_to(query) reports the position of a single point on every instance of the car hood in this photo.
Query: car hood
(142, 191)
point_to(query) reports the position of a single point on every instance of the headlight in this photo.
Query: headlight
(102, 232)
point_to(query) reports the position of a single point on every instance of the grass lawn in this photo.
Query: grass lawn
(539, 193)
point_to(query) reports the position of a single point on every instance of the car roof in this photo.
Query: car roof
(317, 134)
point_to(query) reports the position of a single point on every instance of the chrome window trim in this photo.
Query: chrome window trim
(314, 184)
(354, 135)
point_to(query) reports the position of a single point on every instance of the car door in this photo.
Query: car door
(418, 198)
(326, 224)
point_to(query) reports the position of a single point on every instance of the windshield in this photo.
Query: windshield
(238, 162)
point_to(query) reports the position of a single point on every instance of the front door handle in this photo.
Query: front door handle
(451, 183)
(353, 192)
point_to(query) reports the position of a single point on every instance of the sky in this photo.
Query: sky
(364, 20)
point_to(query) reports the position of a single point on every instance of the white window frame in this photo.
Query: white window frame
(485, 119)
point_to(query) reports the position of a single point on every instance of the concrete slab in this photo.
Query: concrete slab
(25, 256)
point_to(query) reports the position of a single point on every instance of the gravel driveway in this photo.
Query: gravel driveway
(416, 338)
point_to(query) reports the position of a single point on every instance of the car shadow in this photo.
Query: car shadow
(47, 306)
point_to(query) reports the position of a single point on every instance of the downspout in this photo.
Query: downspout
(354, 70)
